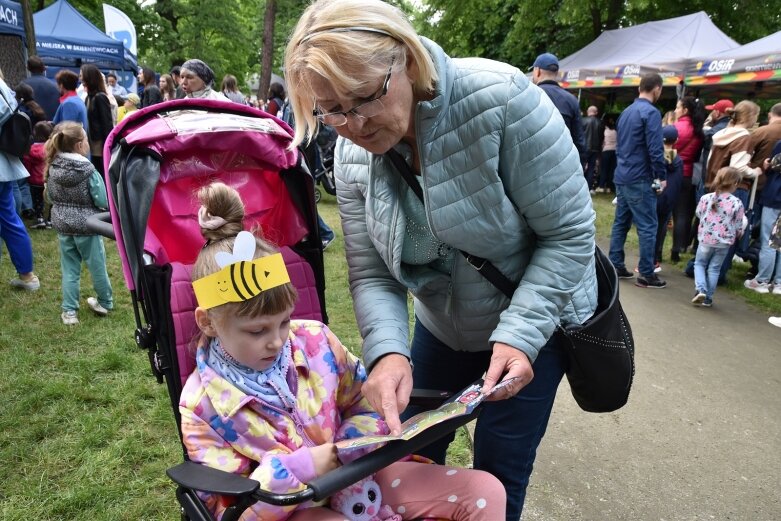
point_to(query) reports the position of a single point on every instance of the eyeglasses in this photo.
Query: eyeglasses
(365, 110)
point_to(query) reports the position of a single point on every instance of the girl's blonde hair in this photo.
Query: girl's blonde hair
(349, 43)
(221, 200)
(727, 178)
(744, 114)
(65, 138)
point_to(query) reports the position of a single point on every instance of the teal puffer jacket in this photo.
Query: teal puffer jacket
(502, 180)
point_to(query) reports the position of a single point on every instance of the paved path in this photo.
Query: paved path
(700, 438)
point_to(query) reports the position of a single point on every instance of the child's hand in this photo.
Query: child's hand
(324, 458)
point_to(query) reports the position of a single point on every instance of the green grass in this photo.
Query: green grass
(85, 430)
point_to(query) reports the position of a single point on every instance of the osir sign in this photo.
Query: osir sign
(718, 66)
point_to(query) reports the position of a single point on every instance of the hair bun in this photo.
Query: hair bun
(222, 212)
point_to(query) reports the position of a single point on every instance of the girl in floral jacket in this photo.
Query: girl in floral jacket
(722, 222)
(270, 396)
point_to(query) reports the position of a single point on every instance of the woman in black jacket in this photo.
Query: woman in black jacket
(99, 116)
(152, 94)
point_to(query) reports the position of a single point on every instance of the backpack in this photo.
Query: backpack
(16, 134)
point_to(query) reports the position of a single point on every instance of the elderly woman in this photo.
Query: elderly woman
(500, 179)
(198, 80)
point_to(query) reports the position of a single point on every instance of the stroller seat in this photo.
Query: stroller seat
(156, 160)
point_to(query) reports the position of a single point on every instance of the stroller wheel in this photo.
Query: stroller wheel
(318, 195)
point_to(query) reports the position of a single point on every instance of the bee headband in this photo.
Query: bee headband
(241, 278)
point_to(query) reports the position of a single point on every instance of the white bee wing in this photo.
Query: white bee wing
(243, 250)
(244, 247)
(223, 258)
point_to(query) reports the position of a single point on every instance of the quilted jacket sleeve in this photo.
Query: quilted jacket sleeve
(541, 173)
(380, 301)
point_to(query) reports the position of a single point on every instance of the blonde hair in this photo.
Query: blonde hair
(744, 114)
(65, 137)
(727, 178)
(349, 43)
(221, 200)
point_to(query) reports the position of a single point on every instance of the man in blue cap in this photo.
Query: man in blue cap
(545, 70)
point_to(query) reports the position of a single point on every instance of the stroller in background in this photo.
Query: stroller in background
(157, 159)
(320, 157)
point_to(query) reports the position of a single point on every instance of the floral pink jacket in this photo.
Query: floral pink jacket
(231, 431)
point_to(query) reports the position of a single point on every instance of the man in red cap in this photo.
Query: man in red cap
(718, 117)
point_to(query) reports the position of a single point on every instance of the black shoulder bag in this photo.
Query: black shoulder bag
(600, 351)
(16, 134)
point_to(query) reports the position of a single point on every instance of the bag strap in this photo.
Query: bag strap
(483, 266)
(14, 111)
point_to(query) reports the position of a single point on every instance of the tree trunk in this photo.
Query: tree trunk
(596, 19)
(267, 53)
(615, 10)
(29, 27)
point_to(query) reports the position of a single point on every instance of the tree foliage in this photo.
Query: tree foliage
(516, 31)
(228, 35)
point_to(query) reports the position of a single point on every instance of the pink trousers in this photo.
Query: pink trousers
(419, 490)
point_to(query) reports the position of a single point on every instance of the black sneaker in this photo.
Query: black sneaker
(651, 281)
(675, 256)
(40, 224)
(624, 273)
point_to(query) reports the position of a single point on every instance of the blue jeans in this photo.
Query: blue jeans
(507, 432)
(24, 194)
(769, 259)
(606, 168)
(636, 202)
(707, 266)
(326, 233)
(741, 245)
(589, 167)
(12, 230)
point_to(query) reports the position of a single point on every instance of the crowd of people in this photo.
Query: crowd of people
(675, 171)
(60, 111)
(437, 185)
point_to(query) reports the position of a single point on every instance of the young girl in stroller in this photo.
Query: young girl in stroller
(270, 396)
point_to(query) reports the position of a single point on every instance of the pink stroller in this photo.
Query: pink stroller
(156, 160)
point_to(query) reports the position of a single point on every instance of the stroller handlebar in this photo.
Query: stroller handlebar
(100, 224)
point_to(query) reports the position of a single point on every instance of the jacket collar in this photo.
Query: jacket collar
(430, 112)
(225, 397)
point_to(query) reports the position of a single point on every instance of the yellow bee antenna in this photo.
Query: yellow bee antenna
(241, 278)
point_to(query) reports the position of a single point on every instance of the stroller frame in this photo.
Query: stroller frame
(150, 286)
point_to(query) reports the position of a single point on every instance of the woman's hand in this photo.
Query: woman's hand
(324, 458)
(507, 362)
(388, 388)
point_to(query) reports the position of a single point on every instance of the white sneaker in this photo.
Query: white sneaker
(69, 318)
(615, 201)
(759, 287)
(95, 306)
(31, 284)
(776, 321)
(699, 298)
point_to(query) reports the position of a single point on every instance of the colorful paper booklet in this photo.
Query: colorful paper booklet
(458, 405)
